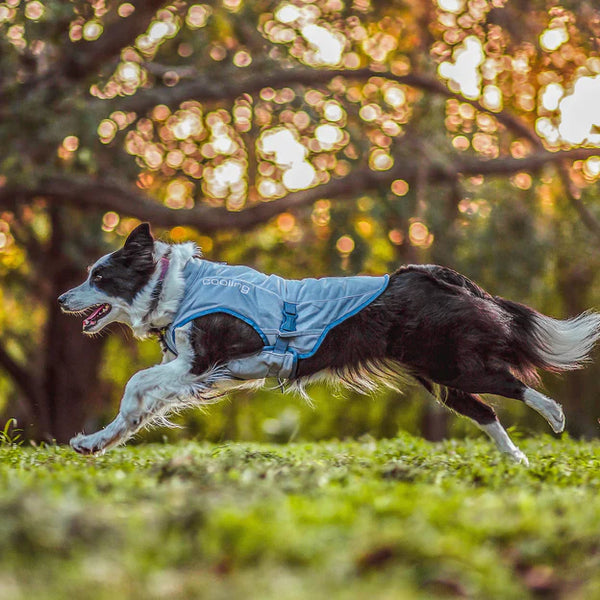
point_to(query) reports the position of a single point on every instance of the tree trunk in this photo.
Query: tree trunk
(71, 379)
(71, 390)
(434, 422)
(574, 282)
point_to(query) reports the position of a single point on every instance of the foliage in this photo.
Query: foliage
(307, 138)
(10, 435)
(388, 519)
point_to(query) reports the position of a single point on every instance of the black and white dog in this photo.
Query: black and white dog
(424, 321)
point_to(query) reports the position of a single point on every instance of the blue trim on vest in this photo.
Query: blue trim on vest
(212, 312)
(342, 319)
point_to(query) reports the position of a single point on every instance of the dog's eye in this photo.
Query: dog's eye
(97, 278)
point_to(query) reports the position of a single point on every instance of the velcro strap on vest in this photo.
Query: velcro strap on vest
(290, 314)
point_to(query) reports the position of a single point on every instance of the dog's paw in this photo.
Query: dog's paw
(87, 444)
(519, 457)
(549, 409)
(556, 418)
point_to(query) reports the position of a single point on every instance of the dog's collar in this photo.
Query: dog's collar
(164, 266)
(156, 292)
(161, 334)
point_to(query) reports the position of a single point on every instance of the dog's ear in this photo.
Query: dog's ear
(139, 240)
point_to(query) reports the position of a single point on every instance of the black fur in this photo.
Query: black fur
(126, 271)
(433, 323)
(219, 337)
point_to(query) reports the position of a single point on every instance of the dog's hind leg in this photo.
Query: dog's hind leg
(503, 383)
(484, 416)
(503, 441)
(548, 408)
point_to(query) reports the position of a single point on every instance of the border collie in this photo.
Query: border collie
(224, 327)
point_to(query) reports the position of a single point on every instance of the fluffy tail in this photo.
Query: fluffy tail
(550, 344)
(566, 345)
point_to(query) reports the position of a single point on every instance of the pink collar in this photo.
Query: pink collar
(164, 267)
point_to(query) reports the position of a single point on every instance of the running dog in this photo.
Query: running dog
(223, 327)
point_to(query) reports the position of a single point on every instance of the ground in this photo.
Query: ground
(388, 519)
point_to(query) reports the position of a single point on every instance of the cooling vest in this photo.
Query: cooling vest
(292, 317)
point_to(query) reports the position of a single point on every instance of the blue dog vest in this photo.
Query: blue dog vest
(292, 317)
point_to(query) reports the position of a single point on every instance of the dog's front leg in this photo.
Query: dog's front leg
(151, 393)
(113, 434)
(145, 393)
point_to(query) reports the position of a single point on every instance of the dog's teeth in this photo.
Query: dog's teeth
(97, 314)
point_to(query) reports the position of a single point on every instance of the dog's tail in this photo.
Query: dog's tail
(541, 342)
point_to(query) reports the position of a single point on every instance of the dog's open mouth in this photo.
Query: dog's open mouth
(97, 313)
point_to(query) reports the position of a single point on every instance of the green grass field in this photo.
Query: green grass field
(393, 519)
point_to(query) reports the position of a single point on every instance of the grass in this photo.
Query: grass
(393, 519)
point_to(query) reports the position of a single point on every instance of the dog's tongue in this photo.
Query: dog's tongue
(92, 317)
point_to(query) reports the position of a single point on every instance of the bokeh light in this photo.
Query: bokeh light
(345, 245)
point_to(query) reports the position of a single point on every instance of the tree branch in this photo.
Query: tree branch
(574, 196)
(84, 58)
(108, 195)
(205, 88)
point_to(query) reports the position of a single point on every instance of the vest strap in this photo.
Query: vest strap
(290, 314)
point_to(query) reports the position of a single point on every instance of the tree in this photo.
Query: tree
(368, 131)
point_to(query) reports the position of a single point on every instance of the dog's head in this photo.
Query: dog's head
(113, 282)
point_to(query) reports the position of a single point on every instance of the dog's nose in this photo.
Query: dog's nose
(62, 299)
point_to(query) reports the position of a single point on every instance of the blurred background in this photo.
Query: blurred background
(306, 138)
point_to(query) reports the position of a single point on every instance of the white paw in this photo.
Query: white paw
(88, 444)
(556, 417)
(519, 457)
(548, 408)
